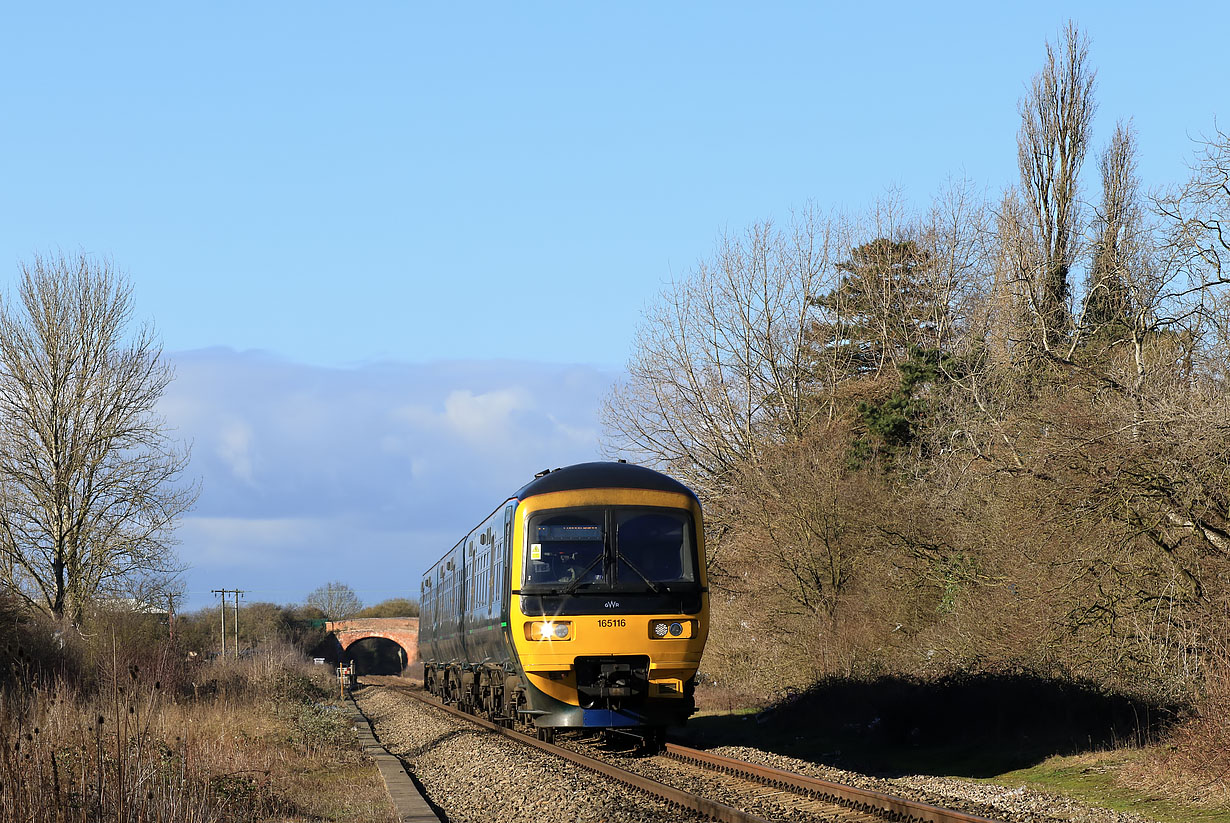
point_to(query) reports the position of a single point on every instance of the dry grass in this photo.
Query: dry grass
(251, 744)
(714, 699)
(1195, 765)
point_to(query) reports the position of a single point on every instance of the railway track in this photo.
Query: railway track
(790, 796)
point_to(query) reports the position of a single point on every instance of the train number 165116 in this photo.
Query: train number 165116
(617, 622)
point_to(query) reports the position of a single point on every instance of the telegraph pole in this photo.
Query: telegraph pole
(222, 592)
(171, 615)
(237, 593)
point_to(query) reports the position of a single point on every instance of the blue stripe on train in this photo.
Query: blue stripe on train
(610, 718)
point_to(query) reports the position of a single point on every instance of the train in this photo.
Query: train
(580, 602)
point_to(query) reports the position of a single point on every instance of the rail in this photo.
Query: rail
(880, 804)
(702, 805)
(885, 805)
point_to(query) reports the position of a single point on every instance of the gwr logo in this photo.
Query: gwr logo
(612, 604)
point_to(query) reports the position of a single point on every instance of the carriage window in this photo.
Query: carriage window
(490, 576)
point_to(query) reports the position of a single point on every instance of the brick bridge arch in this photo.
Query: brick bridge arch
(404, 631)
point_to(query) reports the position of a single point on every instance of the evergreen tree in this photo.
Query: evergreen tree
(883, 306)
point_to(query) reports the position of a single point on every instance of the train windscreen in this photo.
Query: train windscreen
(653, 547)
(567, 547)
(612, 549)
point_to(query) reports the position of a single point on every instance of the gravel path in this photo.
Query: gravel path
(474, 775)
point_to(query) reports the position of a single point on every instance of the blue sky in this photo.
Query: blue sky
(335, 214)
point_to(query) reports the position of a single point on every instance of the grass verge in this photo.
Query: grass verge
(1067, 744)
(1107, 780)
(250, 740)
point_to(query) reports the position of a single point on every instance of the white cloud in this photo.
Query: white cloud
(416, 415)
(245, 541)
(376, 470)
(578, 434)
(234, 447)
(484, 418)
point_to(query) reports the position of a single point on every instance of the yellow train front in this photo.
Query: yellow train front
(581, 602)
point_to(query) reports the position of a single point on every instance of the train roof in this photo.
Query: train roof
(602, 475)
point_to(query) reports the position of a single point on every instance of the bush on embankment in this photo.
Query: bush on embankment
(221, 740)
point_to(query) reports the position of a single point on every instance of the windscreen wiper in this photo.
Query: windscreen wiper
(572, 587)
(652, 585)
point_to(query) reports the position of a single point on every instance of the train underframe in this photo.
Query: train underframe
(614, 696)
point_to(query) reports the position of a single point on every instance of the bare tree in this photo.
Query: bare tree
(723, 362)
(1117, 229)
(1199, 213)
(88, 471)
(337, 600)
(1056, 116)
(956, 232)
(1127, 447)
(801, 517)
(1182, 347)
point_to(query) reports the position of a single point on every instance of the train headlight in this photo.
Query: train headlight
(671, 629)
(548, 630)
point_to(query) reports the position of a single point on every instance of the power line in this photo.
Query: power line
(224, 593)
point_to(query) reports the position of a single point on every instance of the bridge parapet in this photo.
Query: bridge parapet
(404, 631)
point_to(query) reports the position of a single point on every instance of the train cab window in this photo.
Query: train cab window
(654, 547)
(566, 548)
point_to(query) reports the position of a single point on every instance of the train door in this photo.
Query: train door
(505, 581)
(459, 571)
(470, 563)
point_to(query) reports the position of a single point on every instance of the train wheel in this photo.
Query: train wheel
(546, 735)
(495, 703)
(653, 739)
